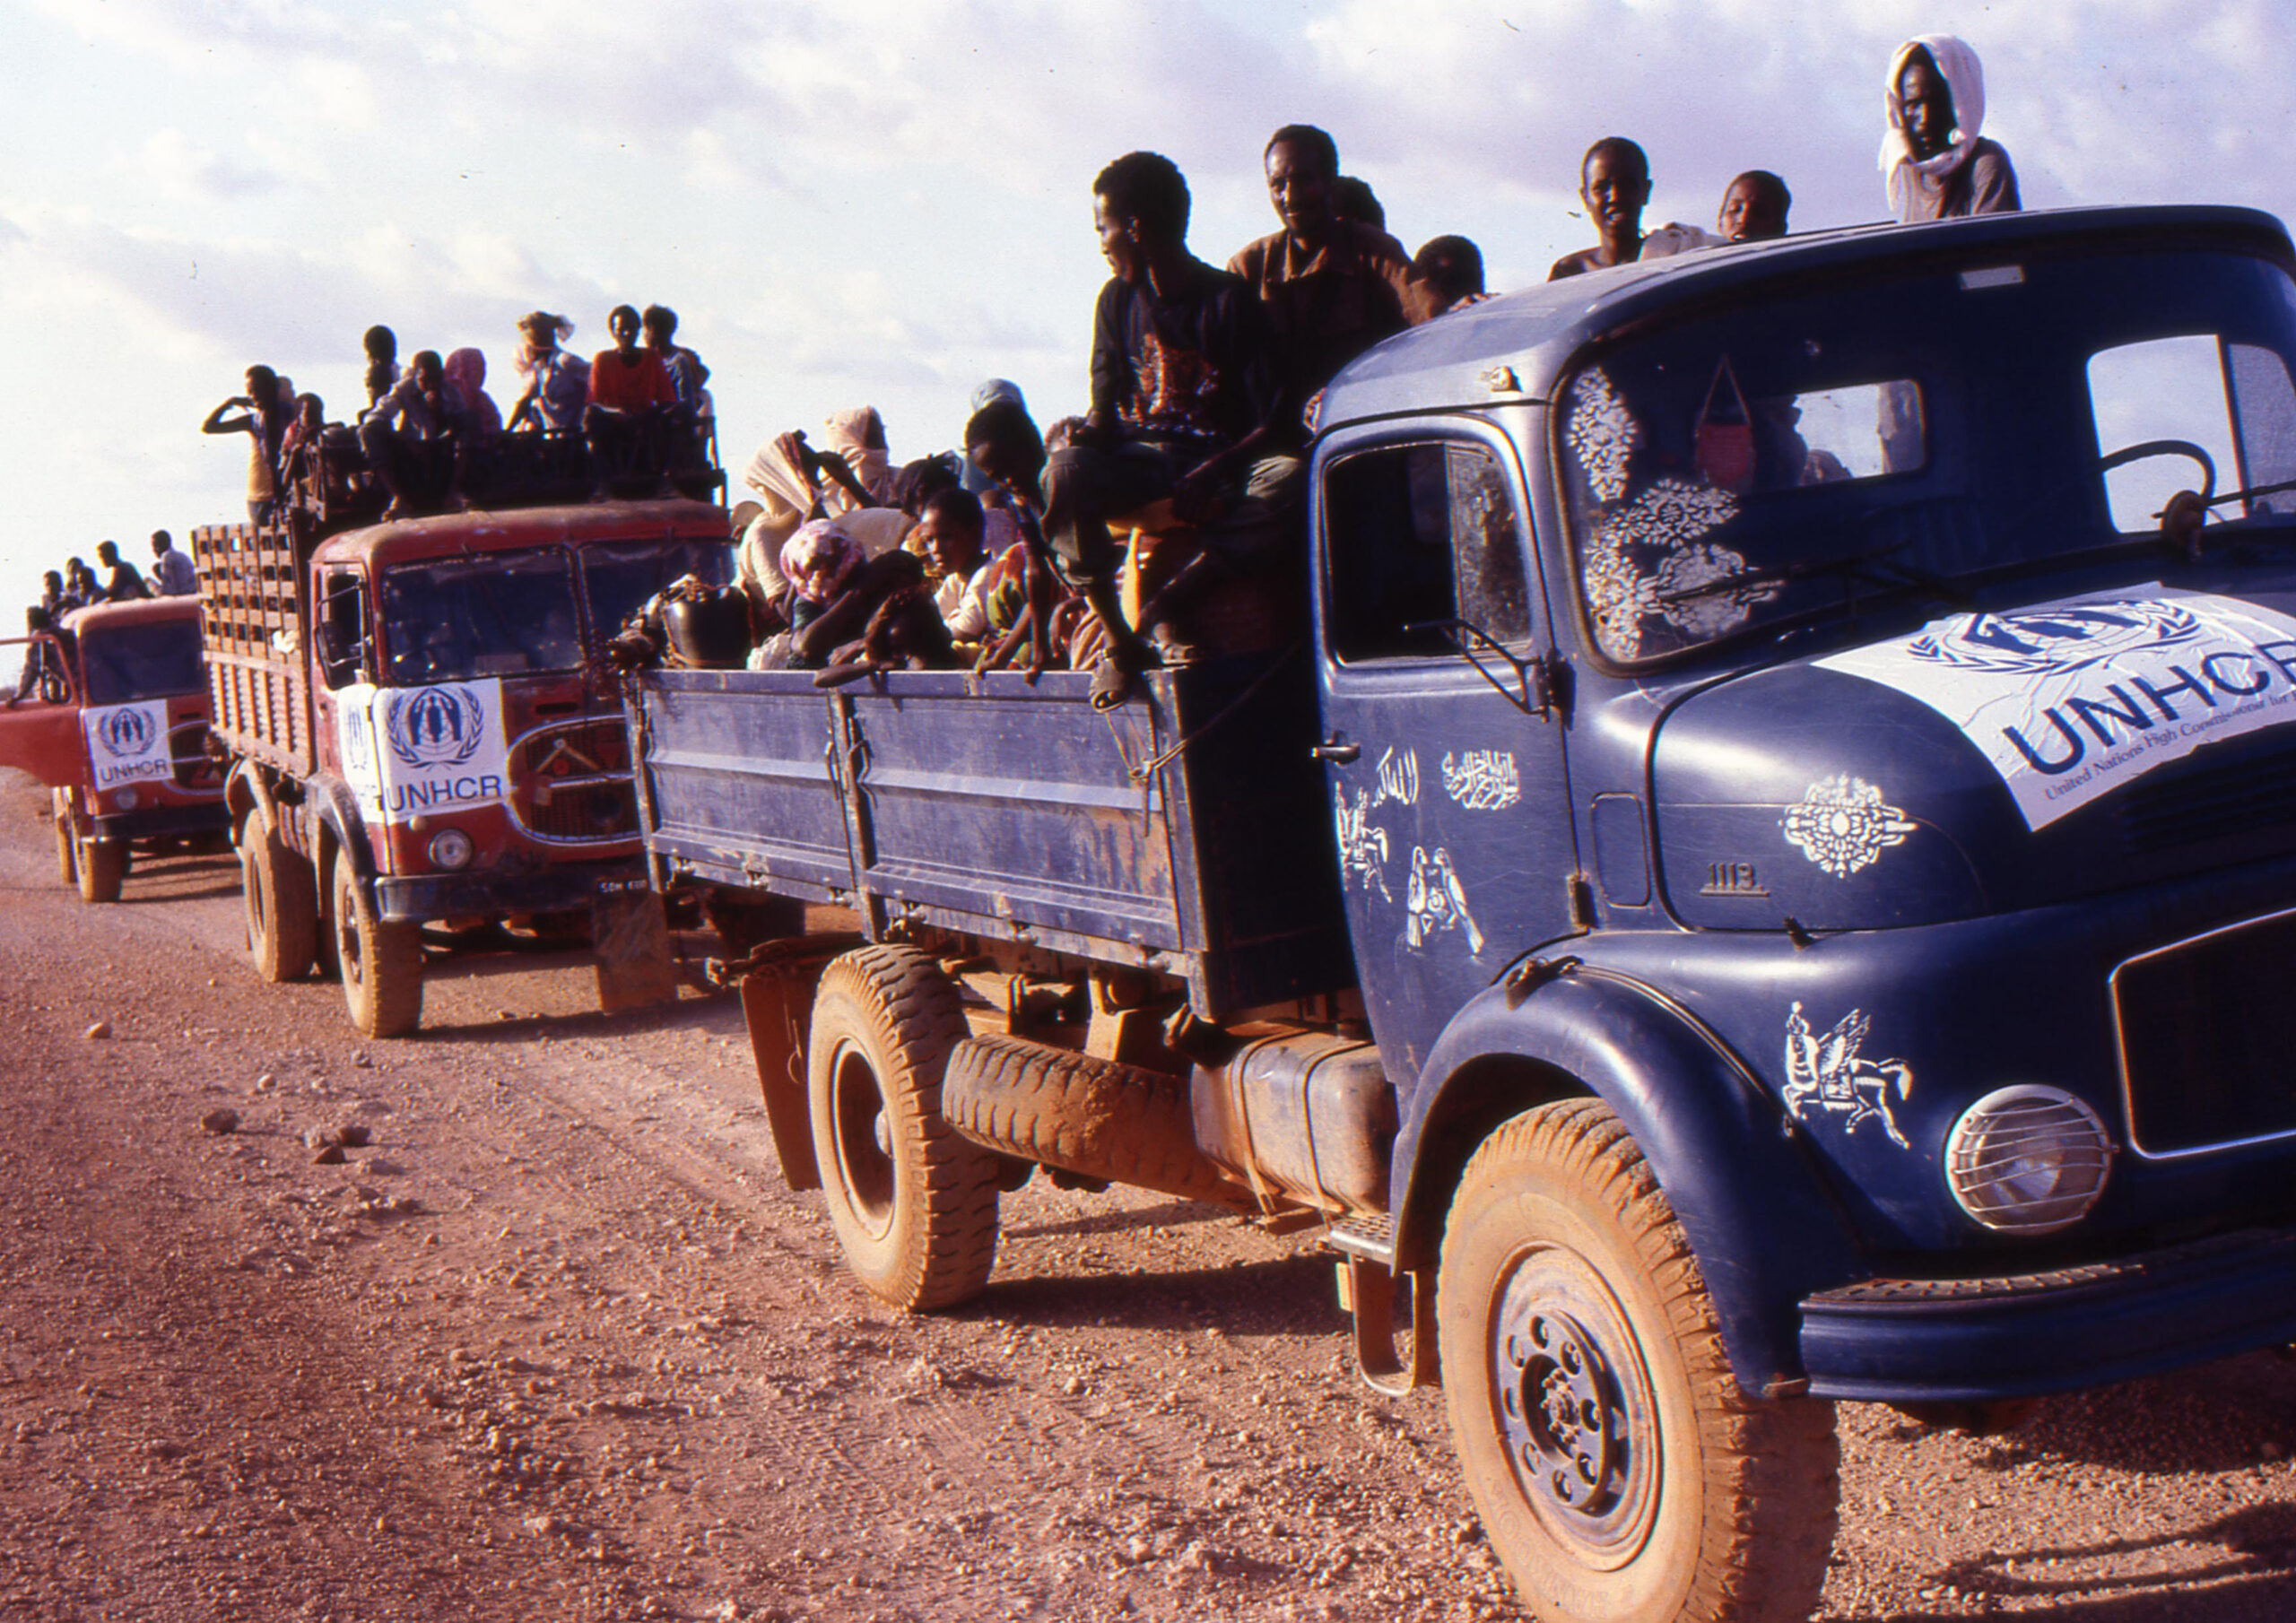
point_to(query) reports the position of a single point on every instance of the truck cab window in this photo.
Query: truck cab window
(1416, 535)
(2149, 398)
(343, 627)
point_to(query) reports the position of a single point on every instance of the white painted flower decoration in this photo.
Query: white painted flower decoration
(1844, 825)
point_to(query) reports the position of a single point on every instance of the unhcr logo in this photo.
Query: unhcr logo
(435, 726)
(2058, 641)
(126, 732)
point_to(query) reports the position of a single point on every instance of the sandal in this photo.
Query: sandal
(1112, 683)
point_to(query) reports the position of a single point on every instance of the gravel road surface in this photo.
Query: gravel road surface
(550, 1341)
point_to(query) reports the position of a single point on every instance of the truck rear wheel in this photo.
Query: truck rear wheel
(382, 963)
(1082, 1114)
(103, 865)
(282, 903)
(914, 1204)
(66, 860)
(1621, 1473)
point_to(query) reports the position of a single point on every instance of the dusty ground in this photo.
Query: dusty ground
(553, 1344)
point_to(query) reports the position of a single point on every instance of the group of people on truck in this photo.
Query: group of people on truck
(77, 585)
(636, 416)
(1201, 381)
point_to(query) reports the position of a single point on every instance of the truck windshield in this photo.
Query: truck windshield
(492, 614)
(620, 576)
(142, 662)
(1779, 460)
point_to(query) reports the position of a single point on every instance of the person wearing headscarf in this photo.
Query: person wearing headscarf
(991, 390)
(466, 382)
(1935, 164)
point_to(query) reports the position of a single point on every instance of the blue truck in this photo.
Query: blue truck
(1768, 876)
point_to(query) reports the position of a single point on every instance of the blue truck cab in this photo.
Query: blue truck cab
(1768, 876)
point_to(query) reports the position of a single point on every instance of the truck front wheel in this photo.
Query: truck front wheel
(382, 963)
(913, 1204)
(1621, 1475)
(103, 865)
(282, 903)
(66, 860)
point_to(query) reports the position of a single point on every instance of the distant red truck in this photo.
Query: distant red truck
(418, 728)
(117, 730)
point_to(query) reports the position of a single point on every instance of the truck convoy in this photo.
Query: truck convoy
(418, 727)
(1770, 879)
(117, 731)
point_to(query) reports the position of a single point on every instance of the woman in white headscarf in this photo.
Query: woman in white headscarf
(1934, 162)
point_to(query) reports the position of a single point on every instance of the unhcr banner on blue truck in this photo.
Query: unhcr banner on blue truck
(411, 752)
(128, 744)
(2072, 699)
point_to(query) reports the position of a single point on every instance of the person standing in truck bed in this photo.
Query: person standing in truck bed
(1934, 165)
(264, 422)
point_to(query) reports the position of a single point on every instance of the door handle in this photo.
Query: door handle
(1337, 753)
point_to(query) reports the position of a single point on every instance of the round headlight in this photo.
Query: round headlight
(126, 799)
(2028, 1159)
(450, 849)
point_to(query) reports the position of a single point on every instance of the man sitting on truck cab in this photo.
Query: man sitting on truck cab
(410, 437)
(1182, 389)
(632, 399)
(122, 584)
(1332, 287)
(172, 572)
(558, 385)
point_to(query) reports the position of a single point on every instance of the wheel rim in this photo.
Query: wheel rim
(1575, 1407)
(346, 937)
(865, 1162)
(251, 887)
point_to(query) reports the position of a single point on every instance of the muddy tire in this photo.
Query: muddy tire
(1621, 1475)
(913, 1204)
(1082, 1114)
(67, 863)
(103, 866)
(382, 963)
(282, 903)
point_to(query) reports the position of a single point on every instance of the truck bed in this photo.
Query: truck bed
(1012, 813)
(248, 583)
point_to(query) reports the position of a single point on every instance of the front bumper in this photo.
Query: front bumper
(2020, 1335)
(161, 822)
(482, 894)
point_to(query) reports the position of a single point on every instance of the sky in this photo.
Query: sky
(884, 201)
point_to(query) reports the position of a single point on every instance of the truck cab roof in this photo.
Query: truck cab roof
(142, 611)
(1512, 348)
(453, 534)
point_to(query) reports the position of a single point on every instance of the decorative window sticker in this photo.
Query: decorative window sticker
(1844, 825)
(1602, 433)
(1649, 561)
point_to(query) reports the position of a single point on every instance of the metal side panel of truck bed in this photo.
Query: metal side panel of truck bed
(1014, 812)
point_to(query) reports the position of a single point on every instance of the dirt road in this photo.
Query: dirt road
(552, 1343)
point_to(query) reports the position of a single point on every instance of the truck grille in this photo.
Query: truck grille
(570, 782)
(2190, 807)
(2207, 1035)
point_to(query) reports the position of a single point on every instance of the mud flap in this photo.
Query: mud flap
(631, 940)
(778, 980)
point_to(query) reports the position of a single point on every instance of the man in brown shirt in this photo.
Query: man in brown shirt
(1331, 287)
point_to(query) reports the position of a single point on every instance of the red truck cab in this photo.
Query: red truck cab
(116, 727)
(422, 728)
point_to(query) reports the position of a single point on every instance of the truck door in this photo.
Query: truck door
(1454, 836)
(39, 734)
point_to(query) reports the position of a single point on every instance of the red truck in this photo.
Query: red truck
(419, 730)
(115, 723)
